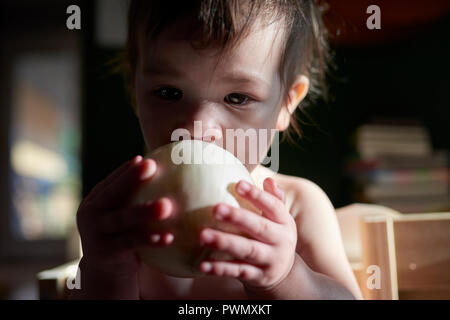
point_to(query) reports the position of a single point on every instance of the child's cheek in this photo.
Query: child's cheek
(153, 127)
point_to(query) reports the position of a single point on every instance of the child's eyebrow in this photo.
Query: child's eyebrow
(236, 76)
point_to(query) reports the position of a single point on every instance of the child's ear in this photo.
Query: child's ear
(297, 93)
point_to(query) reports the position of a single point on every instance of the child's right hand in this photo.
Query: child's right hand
(111, 229)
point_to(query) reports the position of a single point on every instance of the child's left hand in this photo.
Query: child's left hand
(265, 259)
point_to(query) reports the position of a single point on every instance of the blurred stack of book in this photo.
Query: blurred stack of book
(397, 167)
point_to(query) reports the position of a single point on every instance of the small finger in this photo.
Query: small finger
(137, 238)
(268, 203)
(111, 177)
(118, 192)
(123, 219)
(161, 239)
(272, 187)
(258, 227)
(241, 271)
(241, 248)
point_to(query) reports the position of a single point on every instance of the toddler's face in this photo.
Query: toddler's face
(177, 85)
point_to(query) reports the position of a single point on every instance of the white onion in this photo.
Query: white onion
(195, 188)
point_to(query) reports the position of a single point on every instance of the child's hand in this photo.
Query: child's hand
(111, 229)
(266, 258)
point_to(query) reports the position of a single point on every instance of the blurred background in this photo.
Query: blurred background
(65, 122)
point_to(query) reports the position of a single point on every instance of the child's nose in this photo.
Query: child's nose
(204, 128)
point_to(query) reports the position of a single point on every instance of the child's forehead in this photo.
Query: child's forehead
(260, 48)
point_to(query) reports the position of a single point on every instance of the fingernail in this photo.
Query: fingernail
(207, 236)
(137, 159)
(206, 267)
(244, 187)
(222, 211)
(149, 171)
(168, 238)
(165, 207)
(154, 238)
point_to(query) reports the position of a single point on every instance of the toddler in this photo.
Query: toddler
(224, 65)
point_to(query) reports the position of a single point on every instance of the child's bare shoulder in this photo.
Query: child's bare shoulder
(300, 185)
(311, 208)
(301, 194)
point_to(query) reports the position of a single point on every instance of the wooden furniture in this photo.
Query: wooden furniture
(401, 256)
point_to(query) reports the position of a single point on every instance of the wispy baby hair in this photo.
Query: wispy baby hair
(222, 24)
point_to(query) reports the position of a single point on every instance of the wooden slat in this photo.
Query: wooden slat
(360, 275)
(378, 250)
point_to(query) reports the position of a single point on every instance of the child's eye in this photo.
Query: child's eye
(237, 99)
(167, 93)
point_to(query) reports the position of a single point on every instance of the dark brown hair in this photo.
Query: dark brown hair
(224, 23)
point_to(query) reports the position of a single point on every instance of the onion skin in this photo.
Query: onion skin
(195, 188)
